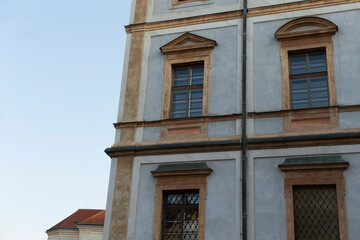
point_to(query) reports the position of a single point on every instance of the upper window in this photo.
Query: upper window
(306, 51)
(186, 80)
(308, 80)
(187, 91)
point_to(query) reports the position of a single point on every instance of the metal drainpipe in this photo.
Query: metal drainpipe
(243, 124)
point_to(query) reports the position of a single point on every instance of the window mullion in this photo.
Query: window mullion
(309, 91)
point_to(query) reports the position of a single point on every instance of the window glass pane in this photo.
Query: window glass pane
(180, 73)
(196, 104)
(178, 114)
(298, 65)
(180, 82)
(179, 95)
(197, 80)
(317, 63)
(299, 84)
(319, 92)
(197, 75)
(197, 71)
(319, 103)
(318, 82)
(179, 104)
(195, 113)
(180, 77)
(299, 94)
(196, 94)
(300, 104)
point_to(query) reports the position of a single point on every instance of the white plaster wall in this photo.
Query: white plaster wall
(63, 234)
(90, 233)
(266, 200)
(262, 3)
(265, 76)
(223, 198)
(110, 199)
(224, 81)
(164, 9)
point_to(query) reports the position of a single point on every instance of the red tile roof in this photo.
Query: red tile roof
(82, 216)
(97, 219)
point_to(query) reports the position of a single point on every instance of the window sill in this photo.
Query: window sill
(315, 120)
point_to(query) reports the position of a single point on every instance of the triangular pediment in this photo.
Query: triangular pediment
(186, 42)
(305, 27)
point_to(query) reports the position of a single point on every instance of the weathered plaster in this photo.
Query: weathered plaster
(121, 200)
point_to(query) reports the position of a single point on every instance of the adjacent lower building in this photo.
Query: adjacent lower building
(238, 120)
(84, 224)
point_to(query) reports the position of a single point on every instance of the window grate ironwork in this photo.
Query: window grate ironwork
(180, 219)
(316, 212)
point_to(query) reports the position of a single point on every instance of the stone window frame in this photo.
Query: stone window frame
(307, 171)
(301, 35)
(317, 36)
(186, 176)
(186, 49)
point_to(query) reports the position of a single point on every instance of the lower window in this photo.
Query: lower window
(180, 219)
(315, 198)
(316, 212)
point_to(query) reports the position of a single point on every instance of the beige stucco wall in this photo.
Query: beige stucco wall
(63, 234)
(90, 232)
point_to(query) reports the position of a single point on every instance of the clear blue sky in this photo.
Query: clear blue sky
(60, 74)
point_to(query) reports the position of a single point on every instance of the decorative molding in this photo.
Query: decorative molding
(296, 6)
(188, 42)
(184, 131)
(186, 49)
(311, 120)
(152, 26)
(233, 117)
(308, 120)
(226, 16)
(178, 2)
(344, 137)
(322, 26)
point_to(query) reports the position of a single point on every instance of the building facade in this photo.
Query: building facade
(84, 224)
(238, 120)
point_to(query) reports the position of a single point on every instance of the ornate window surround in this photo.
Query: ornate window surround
(321, 170)
(180, 177)
(304, 34)
(186, 49)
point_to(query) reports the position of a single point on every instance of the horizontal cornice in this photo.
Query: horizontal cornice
(235, 145)
(231, 15)
(251, 115)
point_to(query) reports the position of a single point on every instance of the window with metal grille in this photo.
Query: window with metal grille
(187, 91)
(180, 219)
(309, 80)
(316, 212)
